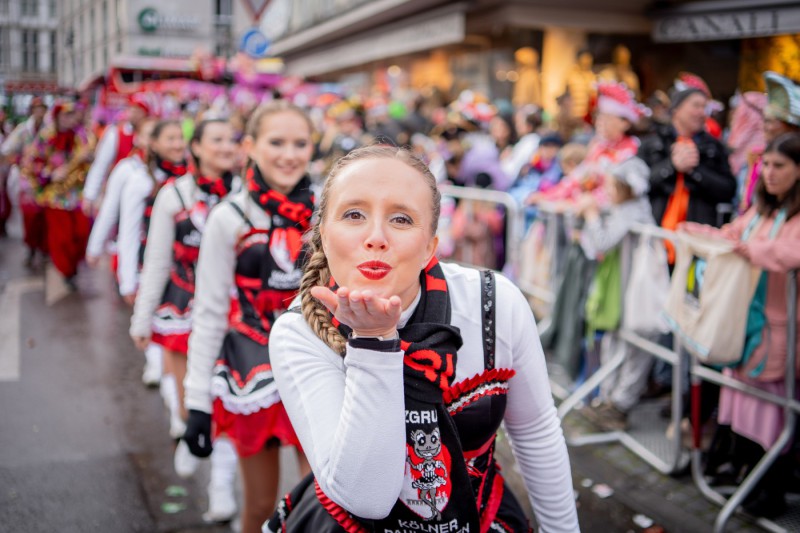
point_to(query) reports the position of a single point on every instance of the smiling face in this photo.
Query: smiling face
(215, 149)
(170, 144)
(378, 227)
(780, 174)
(281, 149)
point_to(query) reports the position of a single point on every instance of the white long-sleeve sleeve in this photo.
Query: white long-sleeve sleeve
(158, 253)
(531, 421)
(104, 156)
(214, 281)
(349, 413)
(108, 216)
(135, 192)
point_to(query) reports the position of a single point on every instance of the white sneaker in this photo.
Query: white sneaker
(184, 462)
(152, 366)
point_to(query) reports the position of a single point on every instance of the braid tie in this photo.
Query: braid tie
(316, 314)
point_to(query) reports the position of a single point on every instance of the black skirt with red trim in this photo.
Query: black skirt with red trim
(172, 322)
(306, 509)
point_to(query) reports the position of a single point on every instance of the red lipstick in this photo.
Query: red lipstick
(374, 270)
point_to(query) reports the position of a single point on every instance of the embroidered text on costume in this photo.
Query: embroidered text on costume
(421, 417)
(411, 526)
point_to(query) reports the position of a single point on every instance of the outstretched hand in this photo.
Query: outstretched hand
(367, 314)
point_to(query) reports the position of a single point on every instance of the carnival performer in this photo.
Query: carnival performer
(781, 115)
(12, 149)
(56, 167)
(163, 309)
(252, 247)
(114, 146)
(159, 157)
(617, 112)
(105, 224)
(396, 372)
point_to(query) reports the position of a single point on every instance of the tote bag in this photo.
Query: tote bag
(710, 297)
(604, 303)
(647, 289)
(536, 266)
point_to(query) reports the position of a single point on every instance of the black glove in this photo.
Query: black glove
(198, 433)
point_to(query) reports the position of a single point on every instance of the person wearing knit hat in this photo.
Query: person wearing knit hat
(781, 115)
(686, 84)
(689, 171)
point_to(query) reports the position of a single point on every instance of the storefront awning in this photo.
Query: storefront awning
(414, 35)
(726, 19)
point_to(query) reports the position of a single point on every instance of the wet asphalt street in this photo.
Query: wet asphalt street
(83, 444)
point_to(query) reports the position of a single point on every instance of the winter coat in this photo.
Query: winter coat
(711, 183)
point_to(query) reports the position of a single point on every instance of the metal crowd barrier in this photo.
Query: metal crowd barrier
(647, 433)
(789, 521)
(513, 216)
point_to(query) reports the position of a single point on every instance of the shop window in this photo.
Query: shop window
(4, 7)
(52, 9)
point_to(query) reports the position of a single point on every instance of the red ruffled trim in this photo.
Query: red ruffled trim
(345, 519)
(463, 388)
(177, 343)
(250, 433)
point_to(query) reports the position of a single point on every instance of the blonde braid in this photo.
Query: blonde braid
(317, 315)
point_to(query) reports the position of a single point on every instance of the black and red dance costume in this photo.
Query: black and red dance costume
(452, 479)
(268, 271)
(172, 322)
(171, 171)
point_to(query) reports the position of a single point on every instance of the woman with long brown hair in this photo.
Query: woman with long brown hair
(251, 249)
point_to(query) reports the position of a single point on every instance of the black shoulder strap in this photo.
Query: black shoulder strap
(180, 198)
(241, 214)
(488, 299)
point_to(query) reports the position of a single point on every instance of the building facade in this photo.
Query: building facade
(96, 32)
(493, 46)
(28, 46)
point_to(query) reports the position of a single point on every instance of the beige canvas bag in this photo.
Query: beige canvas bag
(710, 297)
